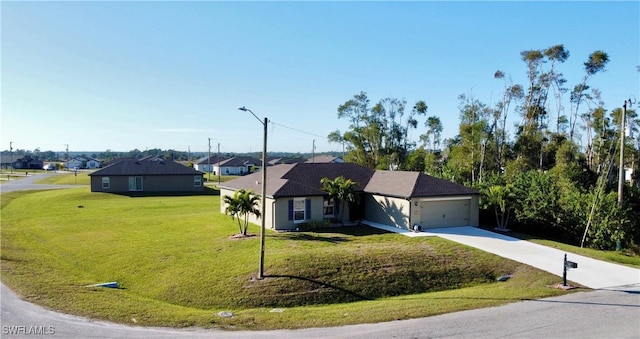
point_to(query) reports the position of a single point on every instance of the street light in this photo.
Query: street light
(264, 190)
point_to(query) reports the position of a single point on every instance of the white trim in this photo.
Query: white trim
(304, 210)
(107, 181)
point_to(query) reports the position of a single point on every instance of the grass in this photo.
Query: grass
(69, 178)
(178, 266)
(619, 257)
(213, 179)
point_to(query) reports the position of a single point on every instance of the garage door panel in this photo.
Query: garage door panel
(448, 213)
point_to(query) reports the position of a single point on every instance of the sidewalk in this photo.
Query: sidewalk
(591, 273)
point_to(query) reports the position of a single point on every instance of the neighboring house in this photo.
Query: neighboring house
(271, 161)
(6, 159)
(82, 162)
(208, 164)
(394, 198)
(26, 162)
(320, 159)
(146, 176)
(237, 166)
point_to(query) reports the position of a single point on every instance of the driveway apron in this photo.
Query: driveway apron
(591, 273)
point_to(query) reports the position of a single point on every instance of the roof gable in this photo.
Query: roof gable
(428, 186)
(393, 183)
(214, 159)
(240, 161)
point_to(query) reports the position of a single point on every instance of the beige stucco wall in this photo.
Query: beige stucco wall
(277, 211)
(387, 210)
(252, 218)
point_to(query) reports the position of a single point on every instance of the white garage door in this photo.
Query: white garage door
(445, 213)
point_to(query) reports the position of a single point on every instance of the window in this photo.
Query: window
(328, 207)
(106, 183)
(135, 183)
(197, 181)
(298, 210)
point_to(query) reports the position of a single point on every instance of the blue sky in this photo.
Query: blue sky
(125, 75)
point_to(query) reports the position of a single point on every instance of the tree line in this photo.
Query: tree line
(554, 174)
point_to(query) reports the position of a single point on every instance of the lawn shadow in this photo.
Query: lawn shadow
(205, 191)
(311, 237)
(351, 293)
(356, 230)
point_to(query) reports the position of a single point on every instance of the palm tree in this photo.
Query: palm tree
(341, 190)
(242, 204)
(499, 197)
(233, 208)
(248, 204)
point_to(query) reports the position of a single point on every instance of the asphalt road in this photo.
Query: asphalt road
(28, 183)
(604, 313)
(612, 313)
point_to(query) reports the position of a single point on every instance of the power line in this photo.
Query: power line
(297, 130)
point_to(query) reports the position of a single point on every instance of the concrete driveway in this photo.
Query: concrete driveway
(591, 273)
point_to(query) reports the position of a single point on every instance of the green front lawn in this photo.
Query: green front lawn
(67, 178)
(177, 265)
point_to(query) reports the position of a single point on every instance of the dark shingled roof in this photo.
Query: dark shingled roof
(428, 186)
(240, 161)
(213, 160)
(145, 167)
(303, 179)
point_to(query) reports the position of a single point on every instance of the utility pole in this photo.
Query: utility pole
(218, 164)
(67, 155)
(11, 156)
(209, 160)
(621, 169)
(264, 190)
(313, 151)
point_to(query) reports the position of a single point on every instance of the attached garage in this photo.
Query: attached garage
(445, 212)
(399, 199)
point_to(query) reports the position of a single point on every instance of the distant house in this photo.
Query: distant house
(6, 160)
(323, 159)
(208, 164)
(272, 161)
(82, 162)
(146, 176)
(26, 162)
(237, 166)
(394, 198)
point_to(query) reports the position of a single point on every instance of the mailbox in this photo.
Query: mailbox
(567, 265)
(570, 264)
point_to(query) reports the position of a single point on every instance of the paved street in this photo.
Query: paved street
(608, 313)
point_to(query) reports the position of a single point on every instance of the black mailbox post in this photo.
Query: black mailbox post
(567, 265)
